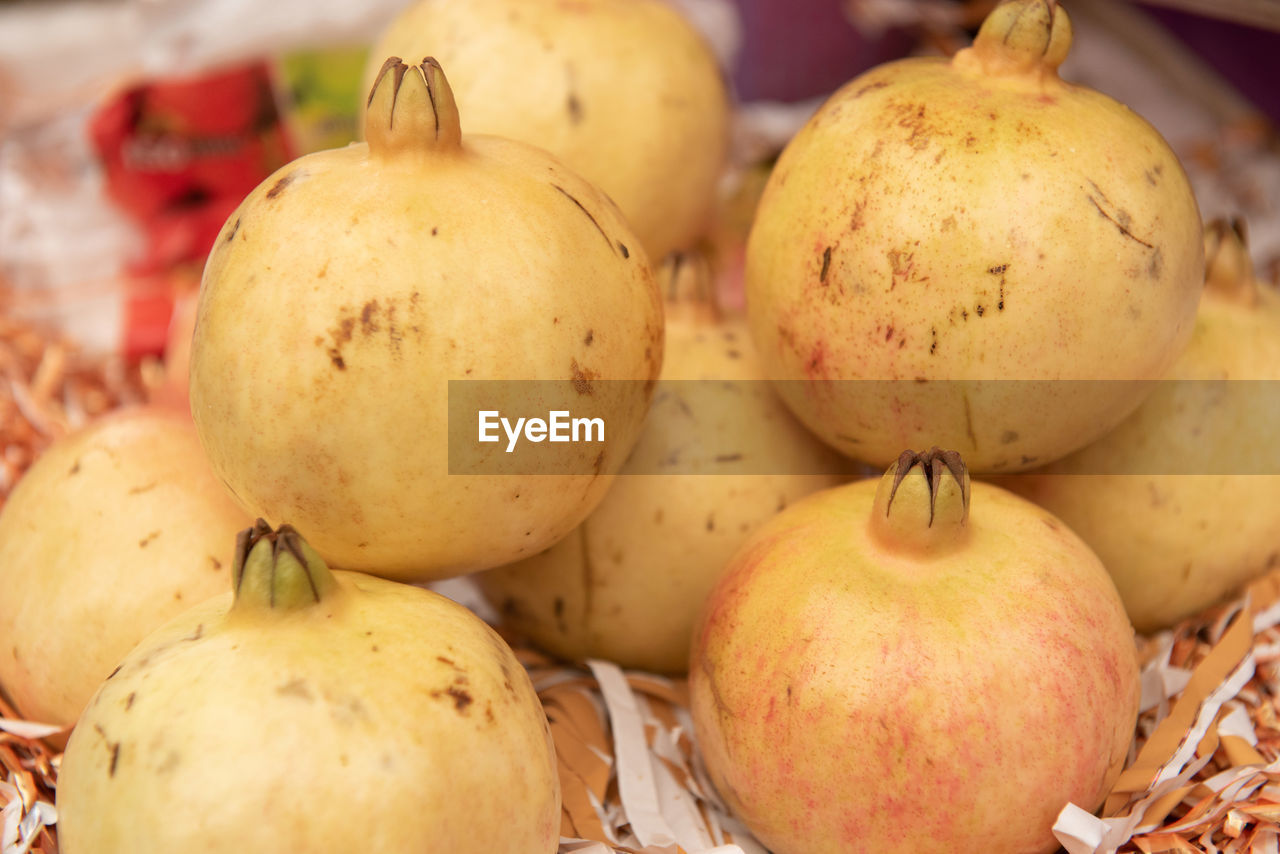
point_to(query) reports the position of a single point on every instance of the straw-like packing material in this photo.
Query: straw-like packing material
(47, 387)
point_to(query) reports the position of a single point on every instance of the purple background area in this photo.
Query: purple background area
(1247, 57)
(797, 49)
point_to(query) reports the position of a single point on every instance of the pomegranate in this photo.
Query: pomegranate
(913, 664)
(349, 289)
(1180, 517)
(625, 92)
(720, 454)
(974, 220)
(313, 711)
(117, 527)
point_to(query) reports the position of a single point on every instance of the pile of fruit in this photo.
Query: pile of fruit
(856, 569)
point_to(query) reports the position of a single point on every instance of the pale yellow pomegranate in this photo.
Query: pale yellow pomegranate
(117, 527)
(1182, 500)
(975, 219)
(720, 455)
(624, 92)
(913, 664)
(312, 711)
(351, 287)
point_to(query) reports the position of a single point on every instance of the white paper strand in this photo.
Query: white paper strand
(28, 729)
(637, 788)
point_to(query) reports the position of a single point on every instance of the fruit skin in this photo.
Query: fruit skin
(1170, 499)
(350, 286)
(975, 219)
(866, 681)
(720, 455)
(116, 528)
(625, 92)
(382, 718)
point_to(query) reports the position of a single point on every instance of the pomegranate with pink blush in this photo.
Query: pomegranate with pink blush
(916, 664)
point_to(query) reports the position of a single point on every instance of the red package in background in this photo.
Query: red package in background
(178, 156)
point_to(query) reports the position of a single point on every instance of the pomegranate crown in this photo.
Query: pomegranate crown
(934, 463)
(1229, 271)
(411, 110)
(277, 569)
(922, 502)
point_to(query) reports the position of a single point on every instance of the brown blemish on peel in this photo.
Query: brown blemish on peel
(857, 220)
(999, 270)
(582, 378)
(1120, 218)
(375, 316)
(280, 186)
(235, 227)
(814, 366)
(826, 264)
(295, 688)
(572, 103)
(368, 323)
(588, 214)
(1156, 265)
(911, 117)
(461, 698)
(148, 539)
(1126, 232)
(968, 423)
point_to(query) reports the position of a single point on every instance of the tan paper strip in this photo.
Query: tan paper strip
(1166, 744)
(636, 785)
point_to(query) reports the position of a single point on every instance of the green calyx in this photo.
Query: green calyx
(277, 570)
